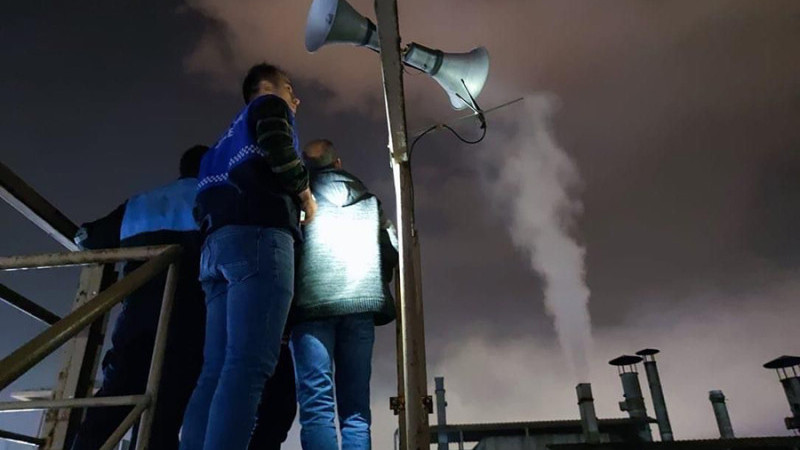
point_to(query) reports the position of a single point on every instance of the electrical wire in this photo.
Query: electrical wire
(478, 112)
(420, 136)
(462, 139)
(450, 129)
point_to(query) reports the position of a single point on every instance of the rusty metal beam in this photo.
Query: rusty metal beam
(123, 427)
(81, 359)
(82, 258)
(33, 206)
(28, 307)
(159, 348)
(34, 405)
(25, 357)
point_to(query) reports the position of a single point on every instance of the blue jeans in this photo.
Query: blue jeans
(248, 278)
(317, 346)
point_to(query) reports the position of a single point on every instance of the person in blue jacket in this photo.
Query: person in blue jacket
(252, 187)
(157, 217)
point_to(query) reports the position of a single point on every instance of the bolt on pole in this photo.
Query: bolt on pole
(416, 403)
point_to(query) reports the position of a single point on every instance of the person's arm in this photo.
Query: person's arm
(101, 233)
(388, 244)
(275, 137)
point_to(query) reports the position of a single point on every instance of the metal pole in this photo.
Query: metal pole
(82, 258)
(27, 306)
(25, 439)
(441, 414)
(80, 361)
(401, 417)
(416, 401)
(123, 427)
(156, 364)
(33, 206)
(25, 357)
(123, 400)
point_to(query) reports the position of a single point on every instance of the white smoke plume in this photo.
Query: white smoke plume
(537, 181)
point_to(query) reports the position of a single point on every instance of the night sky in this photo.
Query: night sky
(679, 120)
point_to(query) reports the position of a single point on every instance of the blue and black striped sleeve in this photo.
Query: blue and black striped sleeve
(275, 137)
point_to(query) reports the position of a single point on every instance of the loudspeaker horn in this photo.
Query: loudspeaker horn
(336, 22)
(449, 69)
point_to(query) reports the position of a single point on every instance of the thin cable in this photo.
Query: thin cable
(449, 128)
(478, 112)
(466, 141)
(419, 136)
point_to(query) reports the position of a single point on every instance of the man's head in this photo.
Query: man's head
(263, 79)
(320, 154)
(190, 161)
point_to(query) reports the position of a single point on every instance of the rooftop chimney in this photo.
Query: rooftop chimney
(441, 413)
(656, 392)
(721, 413)
(591, 431)
(632, 390)
(787, 368)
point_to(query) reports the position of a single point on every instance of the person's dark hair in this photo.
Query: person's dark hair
(256, 74)
(190, 161)
(323, 159)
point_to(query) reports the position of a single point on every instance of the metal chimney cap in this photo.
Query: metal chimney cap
(716, 396)
(626, 360)
(648, 352)
(783, 362)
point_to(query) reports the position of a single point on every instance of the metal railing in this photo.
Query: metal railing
(25, 357)
(98, 292)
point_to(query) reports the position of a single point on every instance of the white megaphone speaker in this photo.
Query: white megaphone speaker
(461, 75)
(336, 22)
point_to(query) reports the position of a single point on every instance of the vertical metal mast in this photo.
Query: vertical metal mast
(415, 403)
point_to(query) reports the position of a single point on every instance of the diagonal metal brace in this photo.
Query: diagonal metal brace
(27, 306)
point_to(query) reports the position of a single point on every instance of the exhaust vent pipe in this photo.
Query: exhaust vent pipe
(632, 390)
(721, 413)
(788, 368)
(591, 431)
(656, 393)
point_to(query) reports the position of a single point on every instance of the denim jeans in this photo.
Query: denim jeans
(278, 406)
(317, 346)
(248, 275)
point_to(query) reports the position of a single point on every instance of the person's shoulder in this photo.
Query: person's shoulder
(270, 106)
(336, 176)
(348, 176)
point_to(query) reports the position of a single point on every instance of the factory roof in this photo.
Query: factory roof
(788, 442)
(474, 432)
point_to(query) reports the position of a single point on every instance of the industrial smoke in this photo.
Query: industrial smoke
(537, 182)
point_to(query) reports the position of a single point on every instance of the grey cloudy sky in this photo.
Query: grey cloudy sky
(681, 118)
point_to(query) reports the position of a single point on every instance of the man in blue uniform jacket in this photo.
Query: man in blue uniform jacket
(252, 188)
(157, 217)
